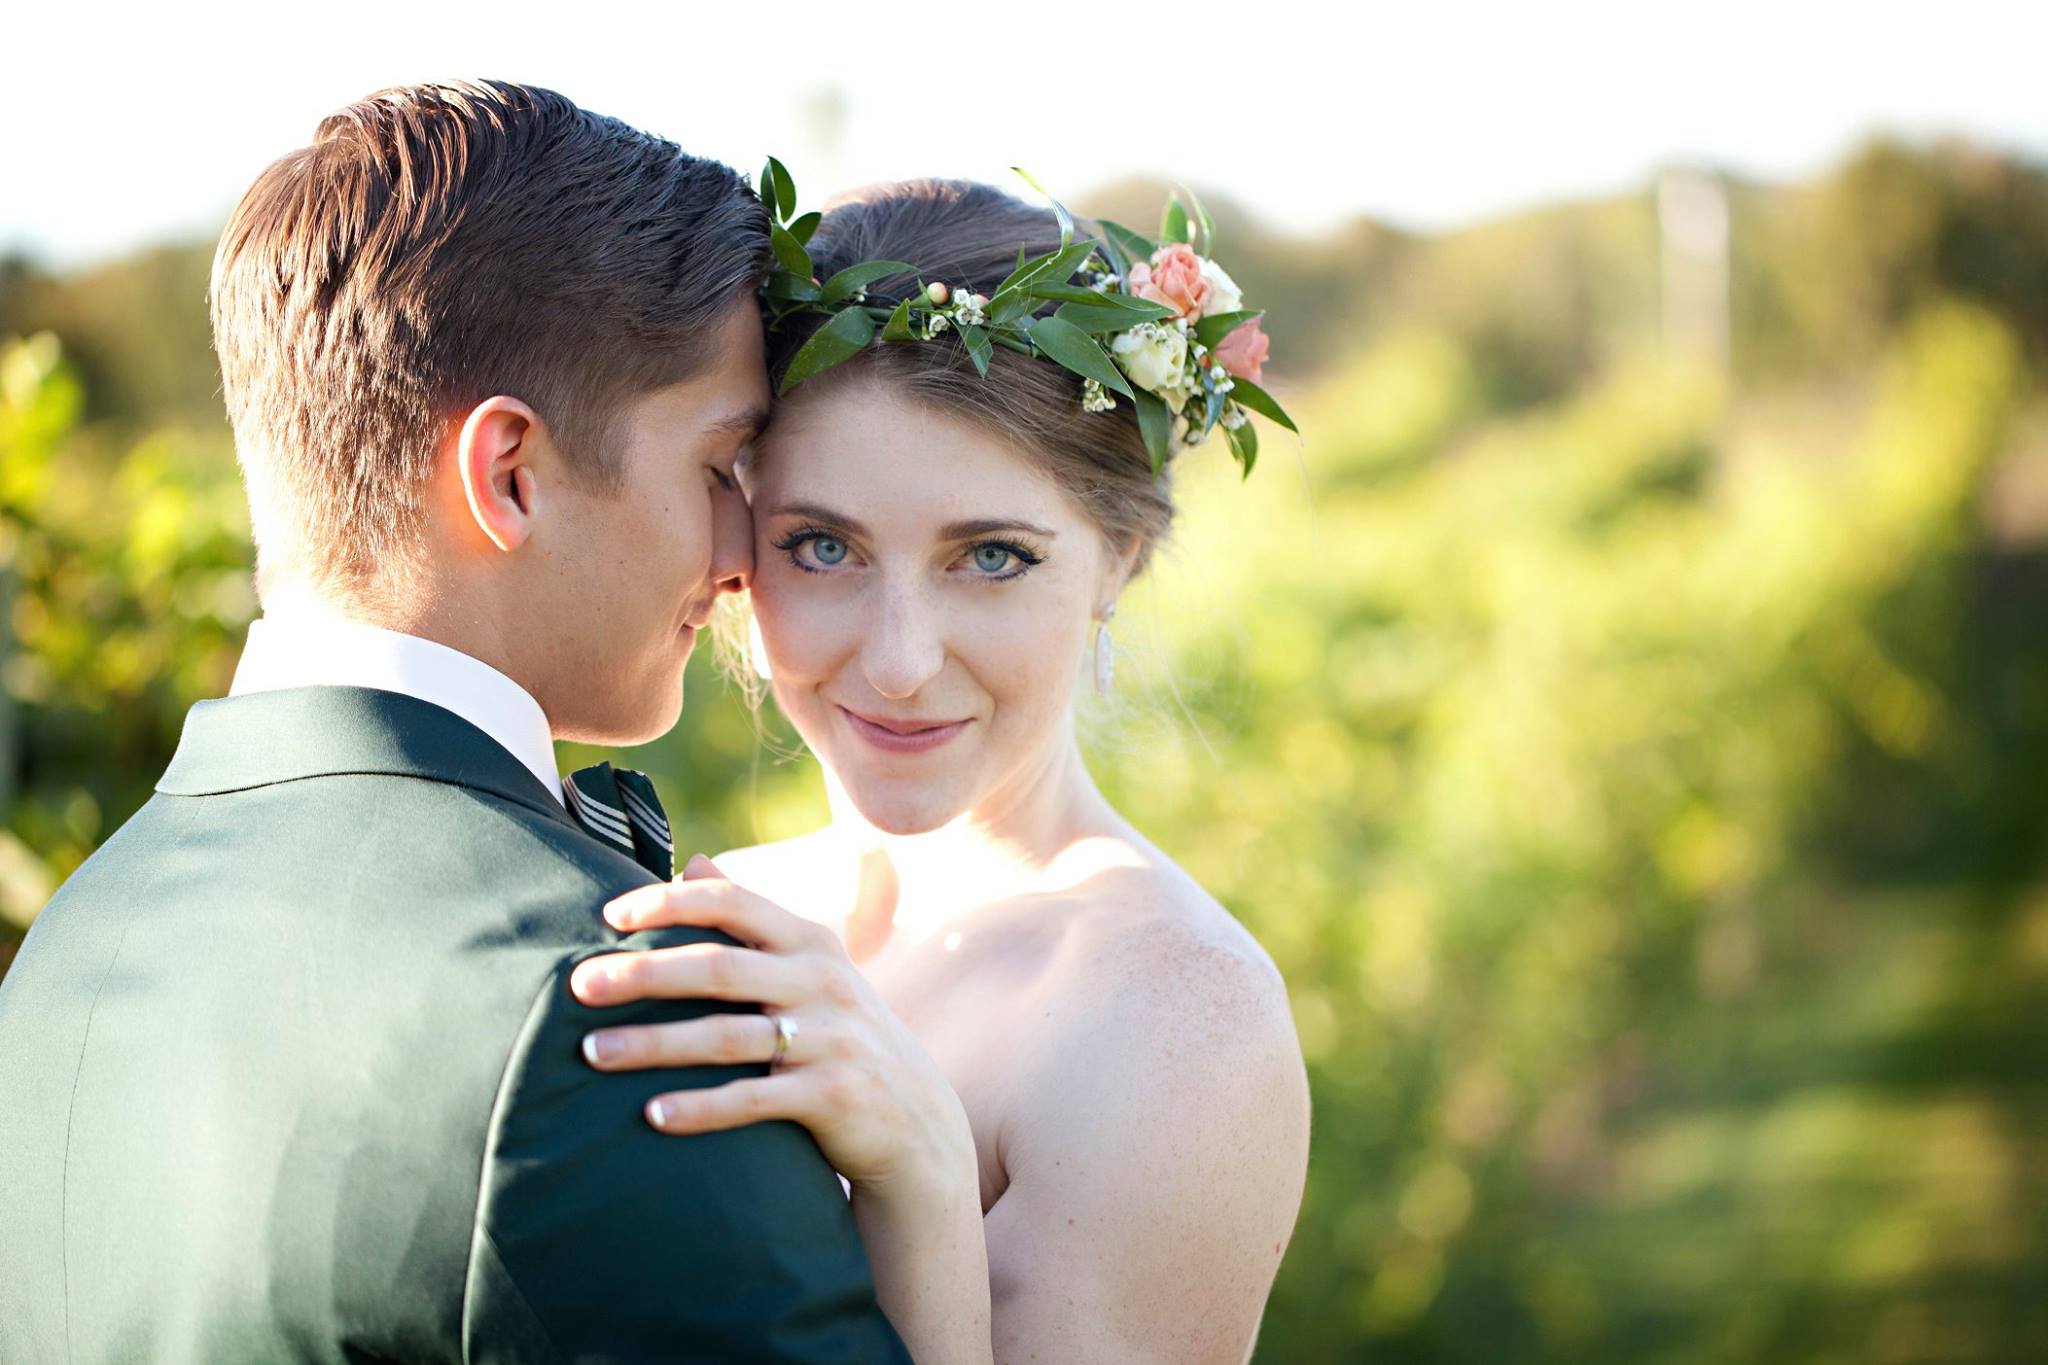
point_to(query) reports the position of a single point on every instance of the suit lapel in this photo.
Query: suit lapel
(262, 738)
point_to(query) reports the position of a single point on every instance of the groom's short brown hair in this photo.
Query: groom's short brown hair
(439, 244)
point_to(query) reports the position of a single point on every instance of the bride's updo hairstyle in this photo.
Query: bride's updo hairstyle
(967, 235)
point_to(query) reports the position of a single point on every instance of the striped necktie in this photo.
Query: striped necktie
(618, 808)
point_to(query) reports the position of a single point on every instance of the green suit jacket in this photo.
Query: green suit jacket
(289, 1070)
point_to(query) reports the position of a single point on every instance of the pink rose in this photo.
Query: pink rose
(1174, 279)
(1243, 351)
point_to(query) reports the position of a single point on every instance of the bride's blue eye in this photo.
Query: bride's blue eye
(997, 560)
(814, 550)
(826, 550)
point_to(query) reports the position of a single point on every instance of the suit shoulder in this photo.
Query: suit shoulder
(571, 1165)
(375, 870)
(530, 873)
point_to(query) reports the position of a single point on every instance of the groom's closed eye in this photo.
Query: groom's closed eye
(732, 439)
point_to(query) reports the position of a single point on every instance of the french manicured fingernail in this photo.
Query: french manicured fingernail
(621, 911)
(659, 1112)
(599, 1048)
(593, 981)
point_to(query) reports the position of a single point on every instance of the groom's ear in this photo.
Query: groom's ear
(495, 455)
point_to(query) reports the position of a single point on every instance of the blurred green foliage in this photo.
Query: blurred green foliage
(1629, 1043)
(127, 565)
(1633, 761)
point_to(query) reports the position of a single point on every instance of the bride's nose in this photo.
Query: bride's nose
(904, 646)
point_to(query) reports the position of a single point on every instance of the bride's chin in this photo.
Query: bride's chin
(903, 823)
(892, 815)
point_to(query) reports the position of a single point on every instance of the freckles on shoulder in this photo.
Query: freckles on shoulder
(1177, 957)
(1215, 1073)
(1192, 1009)
(1175, 1102)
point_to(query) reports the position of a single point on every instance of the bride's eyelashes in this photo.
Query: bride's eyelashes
(998, 560)
(815, 549)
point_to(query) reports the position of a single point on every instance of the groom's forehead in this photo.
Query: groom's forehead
(700, 413)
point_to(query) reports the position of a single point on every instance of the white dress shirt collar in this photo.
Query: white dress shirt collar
(316, 651)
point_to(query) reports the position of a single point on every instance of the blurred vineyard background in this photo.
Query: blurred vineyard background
(1624, 718)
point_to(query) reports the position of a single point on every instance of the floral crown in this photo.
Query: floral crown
(1153, 323)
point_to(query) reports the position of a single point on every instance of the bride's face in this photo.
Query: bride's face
(924, 594)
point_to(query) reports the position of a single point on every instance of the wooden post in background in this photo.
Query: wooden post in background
(1692, 220)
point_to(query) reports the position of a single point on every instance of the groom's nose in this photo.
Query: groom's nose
(732, 542)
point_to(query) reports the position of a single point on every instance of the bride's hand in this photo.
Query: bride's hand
(878, 1105)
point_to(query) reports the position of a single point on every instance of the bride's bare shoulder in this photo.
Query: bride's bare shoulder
(1164, 1106)
(1147, 915)
(784, 871)
(1151, 958)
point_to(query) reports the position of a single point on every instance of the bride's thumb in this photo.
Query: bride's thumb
(698, 868)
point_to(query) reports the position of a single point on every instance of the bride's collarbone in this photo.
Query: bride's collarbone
(1018, 948)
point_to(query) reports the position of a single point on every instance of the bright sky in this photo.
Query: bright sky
(127, 127)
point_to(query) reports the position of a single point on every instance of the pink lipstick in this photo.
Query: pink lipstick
(902, 736)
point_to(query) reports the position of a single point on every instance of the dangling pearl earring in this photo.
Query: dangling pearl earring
(1105, 652)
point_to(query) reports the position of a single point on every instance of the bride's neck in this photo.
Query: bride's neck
(1026, 838)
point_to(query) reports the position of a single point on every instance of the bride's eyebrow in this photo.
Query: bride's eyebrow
(952, 530)
(812, 512)
(961, 530)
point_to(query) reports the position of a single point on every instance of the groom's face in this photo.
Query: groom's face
(637, 572)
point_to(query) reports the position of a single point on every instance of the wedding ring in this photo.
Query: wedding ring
(785, 1034)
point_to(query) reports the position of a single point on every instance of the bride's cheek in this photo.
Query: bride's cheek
(1042, 653)
(798, 630)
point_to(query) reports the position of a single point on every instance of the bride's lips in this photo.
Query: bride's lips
(902, 736)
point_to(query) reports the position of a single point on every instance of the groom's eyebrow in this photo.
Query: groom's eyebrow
(748, 424)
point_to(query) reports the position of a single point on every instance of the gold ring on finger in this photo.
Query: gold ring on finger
(785, 1034)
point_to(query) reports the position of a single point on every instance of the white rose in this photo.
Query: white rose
(1154, 357)
(1227, 298)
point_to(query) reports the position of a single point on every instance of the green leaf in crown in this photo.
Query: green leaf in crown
(1173, 224)
(1128, 247)
(840, 339)
(1062, 341)
(855, 279)
(1156, 325)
